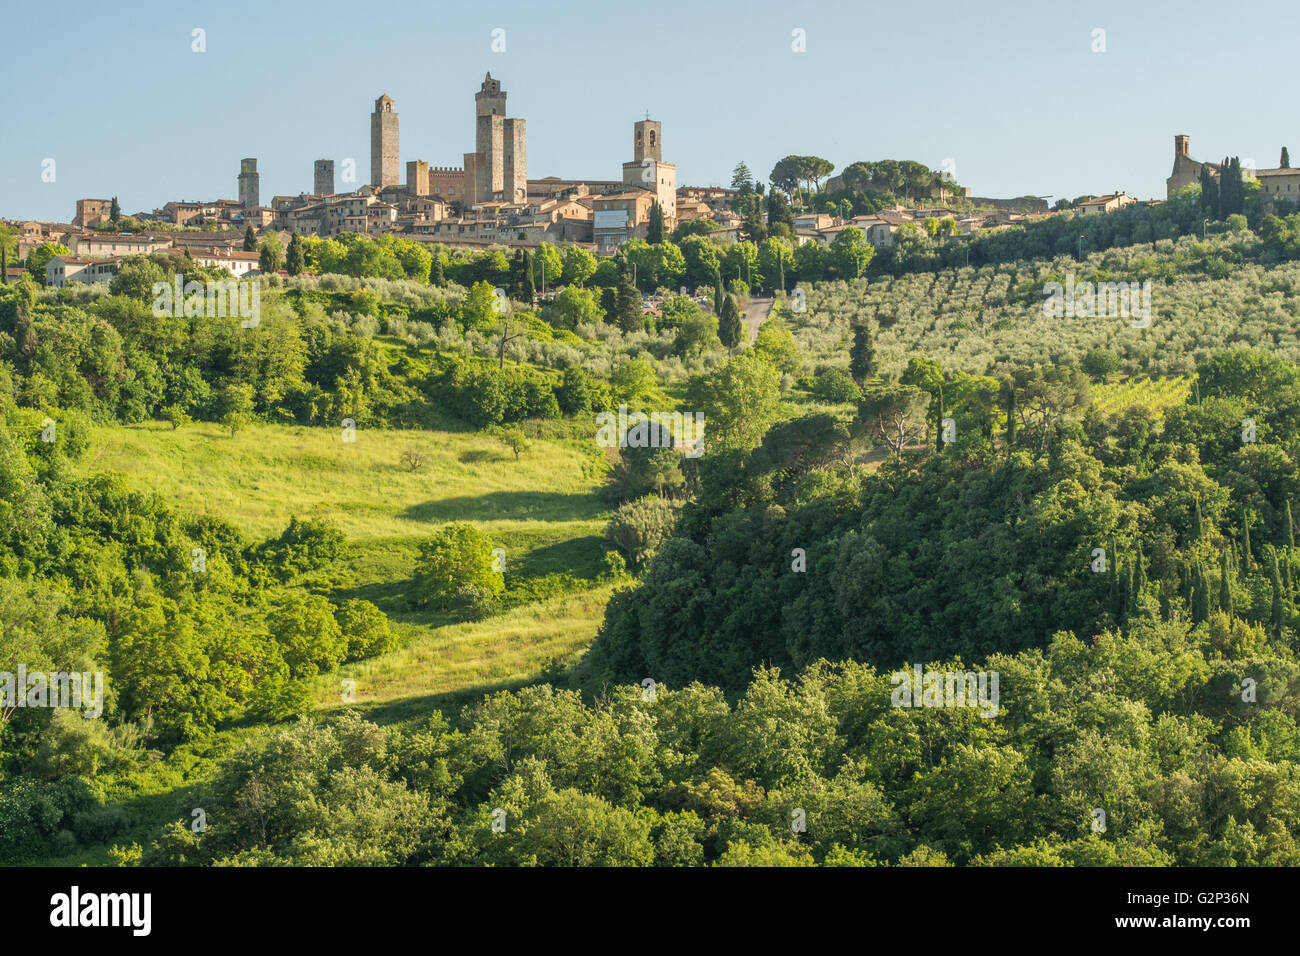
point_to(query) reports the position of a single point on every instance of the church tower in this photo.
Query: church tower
(648, 169)
(647, 141)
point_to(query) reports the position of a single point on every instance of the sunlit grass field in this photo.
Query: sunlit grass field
(542, 509)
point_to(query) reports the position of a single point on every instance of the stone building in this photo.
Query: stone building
(1281, 183)
(497, 169)
(621, 217)
(323, 178)
(248, 183)
(1186, 170)
(448, 183)
(91, 212)
(384, 163)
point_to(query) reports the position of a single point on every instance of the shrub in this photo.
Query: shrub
(457, 556)
(835, 385)
(639, 527)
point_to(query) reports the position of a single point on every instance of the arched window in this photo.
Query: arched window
(652, 138)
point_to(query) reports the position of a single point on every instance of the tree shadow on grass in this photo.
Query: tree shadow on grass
(507, 505)
(409, 710)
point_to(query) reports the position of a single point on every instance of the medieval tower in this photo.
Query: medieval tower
(384, 166)
(248, 183)
(648, 169)
(323, 181)
(498, 167)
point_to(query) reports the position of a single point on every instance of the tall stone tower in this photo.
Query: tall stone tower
(648, 169)
(323, 182)
(248, 183)
(497, 169)
(648, 140)
(384, 166)
(514, 161)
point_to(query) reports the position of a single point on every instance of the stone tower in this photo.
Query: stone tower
(248, 183)
(514, 161)
(323, 182)
(497, 169)
(417, 178)
(384, 166)
(648, 140)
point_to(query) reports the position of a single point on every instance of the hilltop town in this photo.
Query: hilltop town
(488, 200)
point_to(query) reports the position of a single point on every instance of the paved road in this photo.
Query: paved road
(755, 314)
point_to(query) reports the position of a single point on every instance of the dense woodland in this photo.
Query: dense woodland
(911, 470)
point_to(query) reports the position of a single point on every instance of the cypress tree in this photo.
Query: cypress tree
(862, 354)
(250, 240)
(1198, 525)
(4, 264)
(629, 304)
(1290, 528)
(1116, 589)
(294, 259)
(436, 276)
(1011, 416)
(1131, 598)
(938, 434)
(655, 228)
(1225, 584)
(1275, 581)
(1166, 607)
(730, 328)
(1140, 574)
(1200, 597)
(1245, 542)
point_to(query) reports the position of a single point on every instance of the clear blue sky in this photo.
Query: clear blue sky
(1010, 91)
